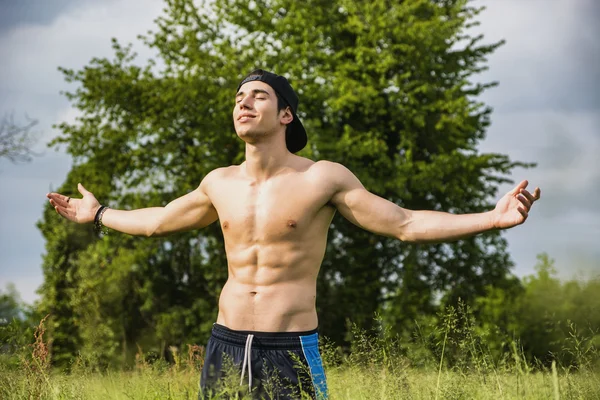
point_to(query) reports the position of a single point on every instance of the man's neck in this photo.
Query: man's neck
(265, 160)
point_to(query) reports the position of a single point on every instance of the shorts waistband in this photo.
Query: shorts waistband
(266, 340)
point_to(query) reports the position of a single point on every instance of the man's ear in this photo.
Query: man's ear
(286, 116)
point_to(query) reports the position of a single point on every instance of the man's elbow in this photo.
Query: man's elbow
(154, 230)
(404, 231)
(150, 233)
(156, 226)
(407, 237)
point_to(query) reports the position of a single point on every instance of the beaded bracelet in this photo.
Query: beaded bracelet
(98, 227)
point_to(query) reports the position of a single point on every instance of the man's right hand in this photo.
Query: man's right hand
(78, 210)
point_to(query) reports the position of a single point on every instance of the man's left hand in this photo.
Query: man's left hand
(513, 208)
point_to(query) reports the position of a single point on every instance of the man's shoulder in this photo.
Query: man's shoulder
(328, 169)
(222, 172)
(218, 175)
(323, 165)
(329, 175)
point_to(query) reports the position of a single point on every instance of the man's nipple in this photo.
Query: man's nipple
(291, 223)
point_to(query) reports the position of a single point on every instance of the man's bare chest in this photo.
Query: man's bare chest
(271, 211)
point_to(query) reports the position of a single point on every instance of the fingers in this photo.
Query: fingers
(519, 187)
(523, 212)
(62, 212)
(526, 201)
(527, 198)
(61, 207)
(66, 206)
(82, 190)
(57, 199)
(56, 204)
(528, 195)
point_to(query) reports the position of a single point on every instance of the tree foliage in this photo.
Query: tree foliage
(551, 310)
(387, 89)
(17, 321)
(10, 304)
(545, 318)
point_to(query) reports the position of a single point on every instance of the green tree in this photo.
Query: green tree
(559, 320)
(10, 304)
(64, 243)
(386, 89)
(17, 323)
(546, 318)
(499, 321)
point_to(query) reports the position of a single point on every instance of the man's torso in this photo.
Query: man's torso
(275, 235)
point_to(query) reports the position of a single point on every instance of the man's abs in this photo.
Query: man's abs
(279, 307)
(271, 288)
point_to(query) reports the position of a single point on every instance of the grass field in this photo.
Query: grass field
(377, 367)
(344, 383)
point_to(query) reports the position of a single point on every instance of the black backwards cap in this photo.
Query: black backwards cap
(295, 134)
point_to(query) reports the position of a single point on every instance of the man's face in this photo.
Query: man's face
(255, 113)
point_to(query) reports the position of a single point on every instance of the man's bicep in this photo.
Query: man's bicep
(368, 210)
(191, 211)
(200, 212)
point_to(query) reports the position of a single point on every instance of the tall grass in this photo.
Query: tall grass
(379, 365)
(345, 382)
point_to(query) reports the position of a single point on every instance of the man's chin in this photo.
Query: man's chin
(248, 135)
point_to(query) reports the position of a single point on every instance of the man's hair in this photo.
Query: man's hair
(281, 103)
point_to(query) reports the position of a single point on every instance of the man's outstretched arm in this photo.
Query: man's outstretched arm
(191, 211)
(383, 217)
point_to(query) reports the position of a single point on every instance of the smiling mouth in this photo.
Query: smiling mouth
(244, 118)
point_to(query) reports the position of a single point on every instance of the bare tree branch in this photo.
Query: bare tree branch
(16, 140)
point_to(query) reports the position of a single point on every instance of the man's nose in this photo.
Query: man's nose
(245, 103)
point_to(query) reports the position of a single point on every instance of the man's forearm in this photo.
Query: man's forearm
(435, 226)
(142, 222)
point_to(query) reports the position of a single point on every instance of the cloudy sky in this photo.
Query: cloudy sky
(546, 110)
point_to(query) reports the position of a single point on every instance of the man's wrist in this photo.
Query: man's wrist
(98, 226)
(491, 218)
(95, 213)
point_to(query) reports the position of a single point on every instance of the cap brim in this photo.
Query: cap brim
(296, 138)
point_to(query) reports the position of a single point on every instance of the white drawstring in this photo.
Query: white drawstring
(247, 360)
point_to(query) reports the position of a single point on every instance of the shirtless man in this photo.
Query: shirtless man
(275, 210)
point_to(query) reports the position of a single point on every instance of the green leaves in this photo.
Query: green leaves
(386, 88)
